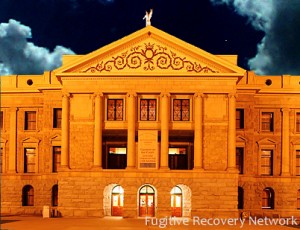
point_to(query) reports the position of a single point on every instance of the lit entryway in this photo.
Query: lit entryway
(176, 201)
(146, 201)
(117, 201)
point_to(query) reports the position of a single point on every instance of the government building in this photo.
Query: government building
(150, 125)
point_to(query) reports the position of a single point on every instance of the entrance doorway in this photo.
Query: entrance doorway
(146, 201)
(117, 200)
(176, 201)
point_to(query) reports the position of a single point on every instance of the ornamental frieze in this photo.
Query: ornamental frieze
(149, 57)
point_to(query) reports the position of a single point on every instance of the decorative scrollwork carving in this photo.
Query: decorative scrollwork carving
(149, 58)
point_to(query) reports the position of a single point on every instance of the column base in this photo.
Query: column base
(64, 168)
(97, 167)
(199, 169)
(232, 170)
(130, 168)
(285, 174)
(164, 168)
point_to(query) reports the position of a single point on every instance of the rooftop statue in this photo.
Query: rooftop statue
(148, 16)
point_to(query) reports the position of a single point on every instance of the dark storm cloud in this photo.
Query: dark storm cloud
(279, 50)
(19, 56)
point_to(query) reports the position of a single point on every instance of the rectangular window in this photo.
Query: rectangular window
(298, 122)
(1, 120)
(56, 158)
(267, 121)
(57, 116)
(1, 160)
(117, 157)
(240, 159)
(148, 109)
(178, 158)
(181, 109)
(29, 160)
(239, 118)
(297, 162)
(115, 109)
(30, 120)
(266, 162)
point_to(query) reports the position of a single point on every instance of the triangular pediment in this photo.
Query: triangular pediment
(149, 51)
(30, 140)
(266, 141)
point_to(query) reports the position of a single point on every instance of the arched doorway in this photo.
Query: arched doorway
(176, 201)
(117, 201)
(146, 201)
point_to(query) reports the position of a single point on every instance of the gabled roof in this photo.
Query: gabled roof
(149, 51)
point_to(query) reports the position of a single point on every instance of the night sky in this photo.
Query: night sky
(264, 33)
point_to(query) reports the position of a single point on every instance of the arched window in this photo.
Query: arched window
(146, 201)
(55, 195)
(176, 201)
(298, 199)
(117, 201)
(240, 198)
(27, 195)
(268, 198)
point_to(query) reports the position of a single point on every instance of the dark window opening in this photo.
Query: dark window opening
(57, 117)
(239, 118)
(28, 196)
(240, 159)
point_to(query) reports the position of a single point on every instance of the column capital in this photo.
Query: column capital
(131, 94)
(66, 94)
(232, 95)
(13, 109)
(285, 109)
(98, 94)
(165, 94)
(199, 95)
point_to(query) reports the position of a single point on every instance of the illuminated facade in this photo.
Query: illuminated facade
(150, 126)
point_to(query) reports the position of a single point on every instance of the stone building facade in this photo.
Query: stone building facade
(150, 126)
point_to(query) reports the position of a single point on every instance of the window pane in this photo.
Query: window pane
(57, 113)
(1, 120)
(30, 120)
(115, 109)
(267, 121)
(119, 110)
(56, 157)
(117, 150)
(181, 109)
(266, 162)
(240, 118)
(176, 110)
(185, 110)
(1, 159)
(240, 159)
(148, 109)
(144, 108)
(29, 166)
(297, 122)
(298, 162)
(152, 110)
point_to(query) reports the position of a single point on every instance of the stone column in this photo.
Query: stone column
(12, 140)
(198, 155)
(65, 131)
(285, 144)
(98, 130)
(231, 164)
(131, 111)
(164, 138)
